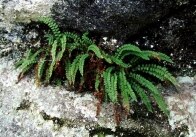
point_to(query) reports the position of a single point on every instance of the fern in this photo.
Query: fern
(63, 48)
(110, 83)
(26, 63)
(74, 68)
(68, 71)
(96, 50)
(140, 91)
(81, 63)
(158, 55)
(126, 90)
(51, 68)
(49, 72)
(52, 25)
(119, 62)
(85, 40)
(157, 71)
(119, 74)
(40, 68)
(150, 87)
(126, 48)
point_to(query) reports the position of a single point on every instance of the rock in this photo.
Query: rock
(185, 80)
(182, 107)
(117, 18)
(175, 36)
(12, 11)
(27, 110)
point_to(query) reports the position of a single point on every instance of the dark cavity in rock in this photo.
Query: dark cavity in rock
(24, 105)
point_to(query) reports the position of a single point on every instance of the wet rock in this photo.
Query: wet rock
(175, 36)
(118, 18)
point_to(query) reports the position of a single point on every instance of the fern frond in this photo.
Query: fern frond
(17, 65)
(29, 60)
(54, 51)
(23, 60)
(49, 72)
(81, 63)
(113, 91)
(86, 40)
(119, 62)
(63, 48)
(40, 68)
(156, 71)
(140, 91)
(52, 25)
(96, 50)
(142, 55)
(126, 90)
(50, 38)
(110, 83)
(152, 89)
(68, 71)
(106, 57)
(158, 55)
(74, 68)
(126, 48)
(74, 37)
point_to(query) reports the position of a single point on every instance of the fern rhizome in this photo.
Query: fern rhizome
(120, 77)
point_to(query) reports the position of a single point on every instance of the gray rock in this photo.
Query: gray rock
(27, 110)
(185, 80)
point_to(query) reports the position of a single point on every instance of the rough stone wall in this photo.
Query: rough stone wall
(13, 11)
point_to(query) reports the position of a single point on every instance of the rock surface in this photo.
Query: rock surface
(173, 35)
(26, 110)
(183, 106)
(118, 18)
(13, 11)
(165, 26)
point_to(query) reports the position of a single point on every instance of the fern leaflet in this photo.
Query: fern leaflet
(81, 63)
(96, 50)
(156, 94)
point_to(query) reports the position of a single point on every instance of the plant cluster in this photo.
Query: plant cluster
(120, 77)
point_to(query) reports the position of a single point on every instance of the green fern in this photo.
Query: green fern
(156, 71)
(40, 69)
(126, 90)
(52, 25)
(51, 68)
(126, 48)
(68, 71)
(81, 63)
(96, 50)
(120, 74)
(140, 91)
(152, 89)
(86, 40)
(63, 48)
(119, 62)
(26, 63)
(158, 55)
(110, 83)
(74, 68)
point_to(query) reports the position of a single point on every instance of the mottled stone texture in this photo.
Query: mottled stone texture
(118, 18)
(30, 111)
